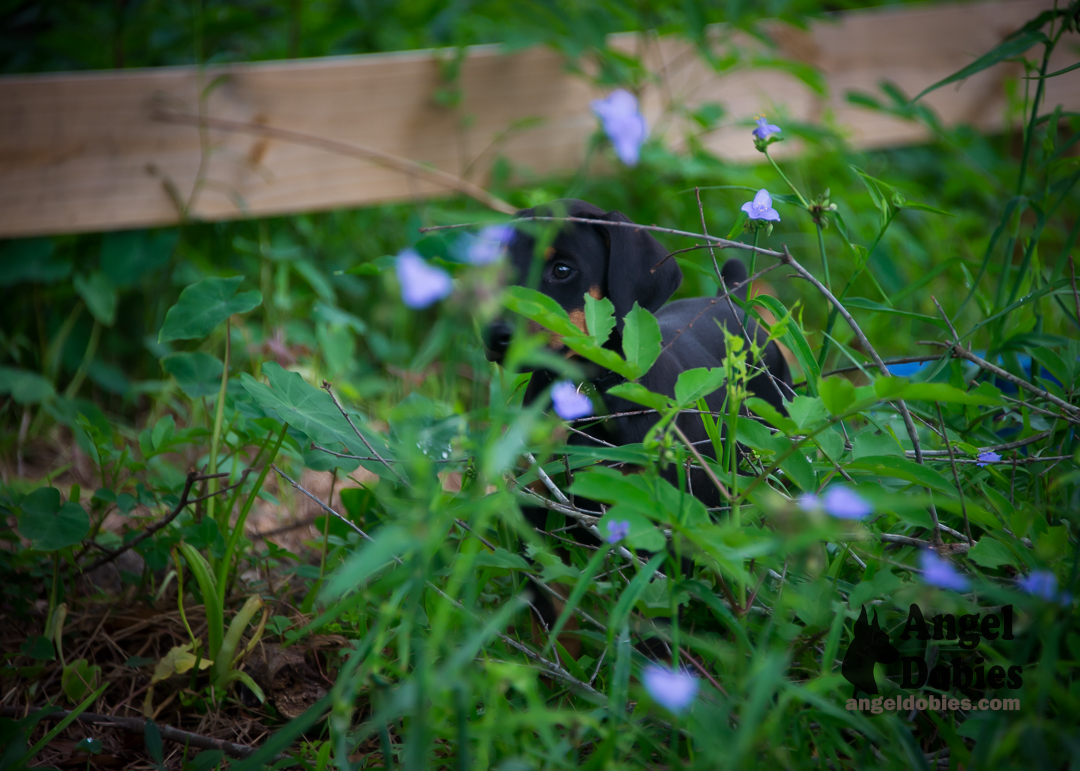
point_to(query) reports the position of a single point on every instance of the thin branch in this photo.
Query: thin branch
(955, 472)
(404, 165)
(192, 478)
(957, 350)
(996, 447)
(136, 725)
(787, 259)
(723, 243)
(372, 450)
(697, 455)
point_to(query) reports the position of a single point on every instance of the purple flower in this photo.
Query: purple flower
(671, 690)
(765, 129)
(623, 123)
(1041, 583)
(486, 246)
(569, 402)
(986, 458)
(940, 572)
(844, 503)
(421, 284)
(617, 530)
(761, 207)
(808, 502)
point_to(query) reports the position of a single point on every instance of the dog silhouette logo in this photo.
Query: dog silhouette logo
(870, 646)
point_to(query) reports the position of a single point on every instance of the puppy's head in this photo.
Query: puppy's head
(624, 264)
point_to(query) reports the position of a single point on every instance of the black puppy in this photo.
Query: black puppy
(628, 265)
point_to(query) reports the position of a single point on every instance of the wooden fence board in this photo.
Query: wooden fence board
(88, 151)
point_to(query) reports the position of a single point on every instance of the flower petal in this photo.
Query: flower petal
(671, 690)
(569, 403)
(762, 199)
(421, 284)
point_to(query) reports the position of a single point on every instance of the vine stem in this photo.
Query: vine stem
(219, 415)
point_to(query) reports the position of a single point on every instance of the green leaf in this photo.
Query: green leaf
(765, 410)
(991, 553)
(837, 394)
(205, 304)
(632, 592)
(128, 255)
(800, 470)
(99, 295)
(311, 411)
(606, 358)
(693, 384)
(24, 386)
(152, 739)
(755, 435)
(641, 339)
(540, 308)
(389, 542)
(49, 525)
(902, 468)
(1010, 48)
(639, 394)
(501, 558)
(28, 260)
(869, 305)
(900, 388)
(198, 374)
(793, 338)
(806, 411)
(79, 678)
(869, 444)
(599, 318)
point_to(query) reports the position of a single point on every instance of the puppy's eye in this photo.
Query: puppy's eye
(561, 271)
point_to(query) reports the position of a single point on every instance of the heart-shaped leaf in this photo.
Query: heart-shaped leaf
(205, 304)
(49, 525)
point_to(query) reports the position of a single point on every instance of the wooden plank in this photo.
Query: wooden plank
(85, 152)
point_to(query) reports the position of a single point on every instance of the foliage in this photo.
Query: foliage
(130, 359)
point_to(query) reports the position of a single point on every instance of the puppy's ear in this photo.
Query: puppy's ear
(639, 269)
(734, 273)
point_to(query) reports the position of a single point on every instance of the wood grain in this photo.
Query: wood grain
(85, 152)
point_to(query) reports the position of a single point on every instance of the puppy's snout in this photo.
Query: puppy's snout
(497, 340)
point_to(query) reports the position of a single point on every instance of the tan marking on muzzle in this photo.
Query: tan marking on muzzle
(595, 292)
(578, 317)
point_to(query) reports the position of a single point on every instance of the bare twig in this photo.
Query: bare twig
(372, 450)
(955, 472)
(136, 725)
(723, 243)
(697, 455)
(963, 353)
(192, 478)
(404, 165)
(787, 259)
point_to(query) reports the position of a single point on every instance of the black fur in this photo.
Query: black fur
(628, 265)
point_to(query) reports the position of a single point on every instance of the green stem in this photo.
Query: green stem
(88, 356)
(753, 259)
(788, 181)
(238, 531)
(215, 441)
(326, 528)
